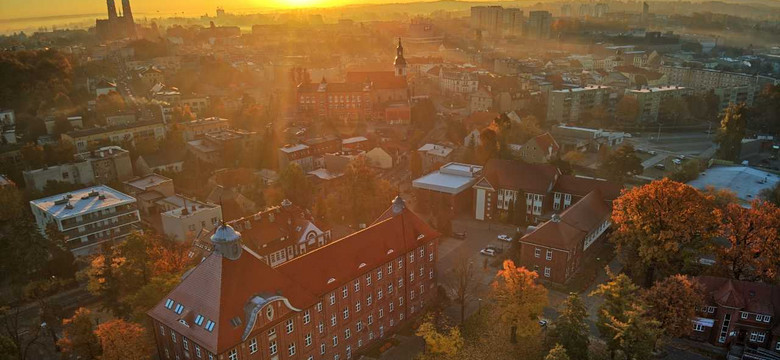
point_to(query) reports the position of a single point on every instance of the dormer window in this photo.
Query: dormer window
(269, 312)
(199, 320)
(209, 326)
(179, 308)
(169, 304)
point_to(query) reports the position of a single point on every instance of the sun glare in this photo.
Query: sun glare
(303, 3)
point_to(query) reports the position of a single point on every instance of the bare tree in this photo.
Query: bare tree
(463, 284)
(24, 337)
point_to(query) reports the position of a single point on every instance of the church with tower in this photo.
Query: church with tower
(363, 95)
(116, 26)
(331, 303)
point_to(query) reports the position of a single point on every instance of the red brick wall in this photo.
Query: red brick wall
(558, 265)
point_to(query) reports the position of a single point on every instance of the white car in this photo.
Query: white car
(677, 161)
(504, 237)
(488, 252)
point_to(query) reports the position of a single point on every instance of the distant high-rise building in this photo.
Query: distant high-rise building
(496, 20)
(539, 23)
(645, 12)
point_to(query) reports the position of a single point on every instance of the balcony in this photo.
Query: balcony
(124, 219)
(73, 223)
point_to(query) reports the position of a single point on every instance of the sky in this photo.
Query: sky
(15, 9)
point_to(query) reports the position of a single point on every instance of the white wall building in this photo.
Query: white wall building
(183, 218)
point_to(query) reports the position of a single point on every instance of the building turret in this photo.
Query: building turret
(127, 15)
(400, 62)
(227, 242)
(111, 10)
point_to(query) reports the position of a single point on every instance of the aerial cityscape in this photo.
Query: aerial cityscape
(390, 180)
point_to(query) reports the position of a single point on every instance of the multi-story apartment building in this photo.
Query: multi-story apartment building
(555, 248)
(234, 306)
(567, 106)
(217, 147)
(545, 189)
(101, 166)
(539, 24)
(496, 20)
(454, 81)
(87, 217)
(650, 100)
(747, 86)
(88, 139)
(183, 218)
(734, 95)
(741, 315)
(299, 154)
(195, 129)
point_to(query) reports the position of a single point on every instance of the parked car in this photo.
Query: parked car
(488, 251)
(542, 323)
(504, 237)
(660, 166)
(459, 235)
(677, 161)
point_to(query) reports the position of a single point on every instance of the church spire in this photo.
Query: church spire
(400, 61)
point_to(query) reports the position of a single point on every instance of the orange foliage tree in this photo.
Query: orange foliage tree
(519, 299)
(78, 339)
(122, 340)
(663, 225)
(673, 303)
(754, 251)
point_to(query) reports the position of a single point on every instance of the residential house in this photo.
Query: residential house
(540, 149)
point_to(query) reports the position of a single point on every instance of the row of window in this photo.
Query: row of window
(179, 308)
(538, 253)
(186, 345)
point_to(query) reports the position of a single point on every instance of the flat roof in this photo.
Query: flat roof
(147, 181)
(744, 181)
(446, 183)
(293, 148)
(81, 202)
(354, 140)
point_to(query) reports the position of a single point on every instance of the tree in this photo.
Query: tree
(661, 226)
(78, 338)
(557, 353)
(23, 250)
(754, 240)
(295, 186)
(439, 344)
(772, 194)
(635, 333)
(627, 110)
(673, 303)
(573, 157)
(570, 330)
(463, 283)
(15, 336)
(673, 110)
(8, 350)
(732, 130)
(687, 172)
(488, 146)
(415, 164)
(122, 340)
(621, 163)
(619, 295)
(33, 155)
(519, 300)
(720, 197)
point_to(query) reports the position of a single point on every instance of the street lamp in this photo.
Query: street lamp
(479, 305)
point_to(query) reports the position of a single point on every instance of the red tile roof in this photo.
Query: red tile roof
(517, 175)
(380, 79)
(479, 120)
(581, 186)
(747, 296)
(575, 223)
(545, 141)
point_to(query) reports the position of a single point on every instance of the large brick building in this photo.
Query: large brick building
(329, 303)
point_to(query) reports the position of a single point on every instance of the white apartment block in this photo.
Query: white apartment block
(87, 217)
(184, 218)
(565, 106)
(649, 100)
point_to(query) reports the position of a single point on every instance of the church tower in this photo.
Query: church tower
(400, 62)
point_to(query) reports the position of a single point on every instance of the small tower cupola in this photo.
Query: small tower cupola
(227, 242)
(400, 61)
(398, 205)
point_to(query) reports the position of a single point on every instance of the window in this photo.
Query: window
(421, 271)
(319, 306)
(546, 271)
(253, 346)
(359, 326)
(332, 298)
(400, 263)
(370, 319)
(379, 274)
(197, 352)
(411, 277)
(743, 315)
(349, 352)
(233, 354)
(392, 307)
(179, 308)
(698, 327)
(173, 337)
(306, 317)
(344, 291)
(548, 256)
(401, 301)
(357, 285)
(272, 347)
(389, 269)
(368, 279)
(767, 318)
(346, 313)
(411, 257)
(289, 326)
(307, 340)
(321, 327)
(185, 343)
(291, 349)
(411, 294)
(381, 313)
(379, 294)
(759, 317)
(422, 252)
(347, 334)
(761, 337)
(777, 346)
(271, 332)
(162, 330)
(430, 257)
(322, 349)
(368, 300)
(333, 320)
(199, 320)
(710, 309)
(400, 283)
(430, 274)
(390, 289)
(357, 306)
(335, 340)
(168, 304)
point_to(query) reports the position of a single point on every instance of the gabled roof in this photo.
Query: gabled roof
(748, 296)
(575, 223)
(581, 186)
(545, 141)
(517, 175)
(479, 120)
(218, 289)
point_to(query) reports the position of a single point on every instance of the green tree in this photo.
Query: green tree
(79, 340)
(732, 130)
(558, 352)
(8, 350)
(23, 251)
(570, 330)
(295, 185)
(619, 295)
(621, 163)
(634, 332)
(772, 194)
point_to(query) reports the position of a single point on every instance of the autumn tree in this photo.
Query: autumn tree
(519, 300)
(753, 253)
(488, 146)
(721, 197)
(622, 163)
(672, 302)
(570, 330)
(619, 295)
(295, 186)
(732, 130)
(558, 352)
(634, 333)
(772, 194)
(444, 344)
(463, 283)
(661, 226)
(122, 340)
(78, 338)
